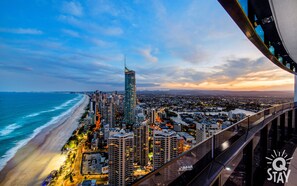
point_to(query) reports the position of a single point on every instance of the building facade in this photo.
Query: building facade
(121, 157)
(165, 147)
(141, 135)
(130, 98)
(108, 113)
(206, 130)
(153, 114)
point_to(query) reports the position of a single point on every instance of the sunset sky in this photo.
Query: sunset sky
(52, 45)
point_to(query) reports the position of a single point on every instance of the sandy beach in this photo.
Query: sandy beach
(33, 162)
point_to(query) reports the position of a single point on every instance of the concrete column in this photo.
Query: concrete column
(290, 124)
(248, 159)
(295, 121)
(282, 128)
(274, 134)
(295, 90)
(264, 146)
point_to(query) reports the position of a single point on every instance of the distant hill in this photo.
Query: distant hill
(221, 93)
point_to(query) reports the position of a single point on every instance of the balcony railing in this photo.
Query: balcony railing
(202, 154)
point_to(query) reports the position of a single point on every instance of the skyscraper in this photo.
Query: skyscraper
(165, 147)
(130, 98)
(121, 157)
(141, 141)
(108, 113)
(153, 116)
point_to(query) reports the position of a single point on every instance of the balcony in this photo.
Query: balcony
(235, 155)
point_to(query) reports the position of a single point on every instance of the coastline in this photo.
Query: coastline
(33, 162)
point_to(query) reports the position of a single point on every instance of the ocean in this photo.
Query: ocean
(24, 115)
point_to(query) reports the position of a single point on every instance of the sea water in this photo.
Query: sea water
(24, 115)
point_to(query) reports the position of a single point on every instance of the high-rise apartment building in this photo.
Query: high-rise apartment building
(165, 147)
(206, 130)
(141, 141)
(130, 98)
(153, 115)
(109, 112)
(121, 157)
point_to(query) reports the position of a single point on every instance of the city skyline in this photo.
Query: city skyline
(80, 46)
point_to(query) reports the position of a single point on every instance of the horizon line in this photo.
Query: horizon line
(161, 90)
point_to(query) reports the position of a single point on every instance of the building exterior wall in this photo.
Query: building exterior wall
(121, 158)
(141, 148)
(130, 97)
(165, 147)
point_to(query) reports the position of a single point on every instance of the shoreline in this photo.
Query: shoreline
(33, 162)
(54, 121)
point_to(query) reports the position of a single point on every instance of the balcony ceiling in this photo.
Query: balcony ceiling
(285, 17)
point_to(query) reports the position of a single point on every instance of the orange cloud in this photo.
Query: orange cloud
(275, 79)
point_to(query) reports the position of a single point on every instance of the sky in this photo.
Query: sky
(56, 45)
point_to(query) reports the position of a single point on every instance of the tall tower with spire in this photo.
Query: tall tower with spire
(130, 97)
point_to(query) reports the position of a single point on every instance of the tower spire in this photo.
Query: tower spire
(125, 66)
(125, 61)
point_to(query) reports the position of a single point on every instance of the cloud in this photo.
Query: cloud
(73, 8)
(188, 34)
(238, 67)
(93, 56)
(114, 31)
(234, 74)
(90, 69)
(97, 42)
(147, 54)
(118, 9)
(180, 35)
(144, 85)
(90, 26)
(194, 54)
(71, 33)
(93, 40)
(169, 74)
(103, 7)
(31, 31)
(15, 68)
(191, 47)
(161, 11)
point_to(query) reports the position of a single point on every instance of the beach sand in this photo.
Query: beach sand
(33, 162)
